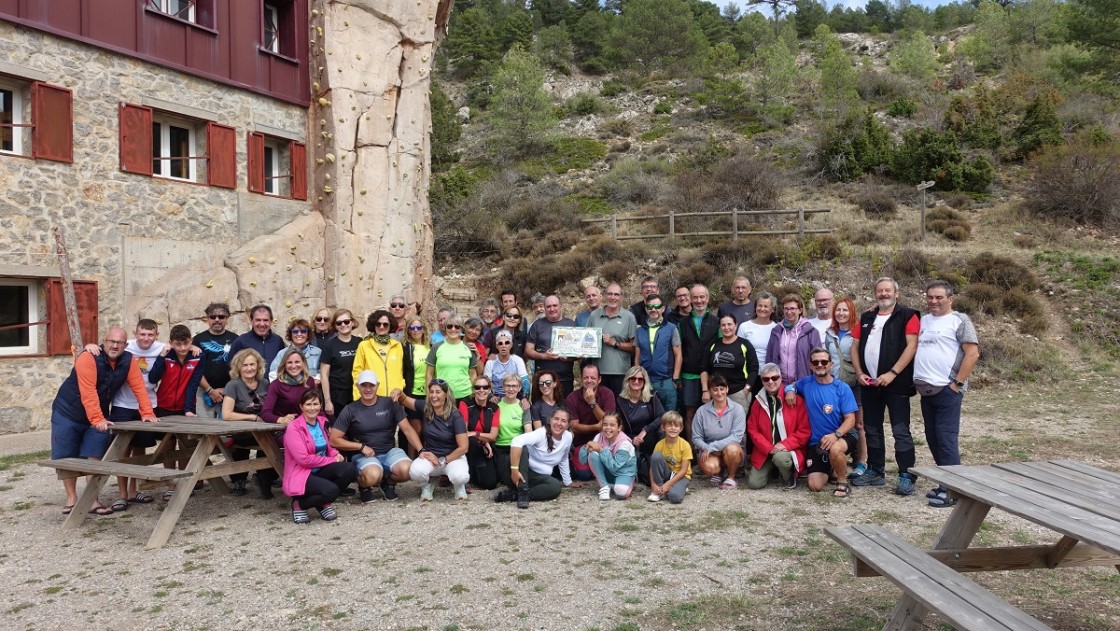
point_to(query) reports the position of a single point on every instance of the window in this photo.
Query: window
(36, 120)
(278, 27)
(271, 28)
(177, 147)
(200, 12)
(19, 315)
(277, 167)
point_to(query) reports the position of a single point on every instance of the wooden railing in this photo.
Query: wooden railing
(735, 231)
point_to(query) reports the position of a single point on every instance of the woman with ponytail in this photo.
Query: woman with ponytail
(534, 456)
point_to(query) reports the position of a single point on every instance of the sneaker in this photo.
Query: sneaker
(905, 484)
(347, 492)
(859, 470)
(653, 497)
(942, 500)
(504, 495)
(869, 478)
(461, 492)
(366, 495)
(523, 495)
(791, 483)
(426, 492)
(605, 493)
(237, 487)
(389, 491)
(299, 515)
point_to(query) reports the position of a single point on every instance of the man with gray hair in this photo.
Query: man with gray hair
(883, 350)
(822, 301)
(619, 330)
(741, 306)
(441, 315)
(948, 349)
(594, 297)
(397, 307)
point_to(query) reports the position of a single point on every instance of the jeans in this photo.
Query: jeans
(876, 403)
(942, 415)
(666, 390)
(622, 484)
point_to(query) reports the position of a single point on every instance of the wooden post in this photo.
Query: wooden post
(800, 222)
(68, 291)
(672, 224)
(734, 223)
(614, 224)
(922, 213)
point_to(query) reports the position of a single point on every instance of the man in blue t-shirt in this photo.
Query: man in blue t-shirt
(832, 420)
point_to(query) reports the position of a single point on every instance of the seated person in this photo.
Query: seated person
(612, 458)
(670, 466)
(538, 454)
(718, 428)
(444, 449)
(778, 431)
(832, 420)
(314, 472)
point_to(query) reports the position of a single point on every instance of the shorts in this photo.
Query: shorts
(818, 463)
(139, 439)
(73, 439)
(386, 460)
(691, 395)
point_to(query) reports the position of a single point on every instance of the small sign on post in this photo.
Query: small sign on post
(922, 215)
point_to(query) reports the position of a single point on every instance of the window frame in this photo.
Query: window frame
(20, 93)
(260, 176)
(269, 9)
(201, 13)
(164, 160)
(34, 317)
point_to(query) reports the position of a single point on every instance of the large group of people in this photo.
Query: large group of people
(753, 390)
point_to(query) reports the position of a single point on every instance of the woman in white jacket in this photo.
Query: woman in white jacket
(534, 455)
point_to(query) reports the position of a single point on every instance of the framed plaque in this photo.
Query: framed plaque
(577, 341)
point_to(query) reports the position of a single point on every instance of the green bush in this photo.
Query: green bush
(858, 145)
(613, 87)
(584, 104)
(902, 108)
(1001, 272)
(567, 154)
(1040, 127)
(949, 223)
(663, 107)
(929, 154)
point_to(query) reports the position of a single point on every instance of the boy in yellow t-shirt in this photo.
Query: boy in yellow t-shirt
(670, 466)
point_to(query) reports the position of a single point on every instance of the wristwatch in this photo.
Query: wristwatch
(837, 434)
(959, 383)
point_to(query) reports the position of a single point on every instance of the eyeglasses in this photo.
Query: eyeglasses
(397, 305)
(452, 327)
(378, 325)
(481, 386)
(654, 307)
(771, 378)
(504, 343)
(343, 322)
(217, 316)
(115, 342)
(820, 362)
(322, 319)
(513, 316)
(416, 328)
(544, 382)
(791, 308)
(299, 331)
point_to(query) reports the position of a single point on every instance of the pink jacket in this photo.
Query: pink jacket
(300, 457)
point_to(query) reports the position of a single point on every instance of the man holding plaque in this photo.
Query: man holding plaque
(619, 329)
(538, 344)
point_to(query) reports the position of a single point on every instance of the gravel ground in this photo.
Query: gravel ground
(575, 563)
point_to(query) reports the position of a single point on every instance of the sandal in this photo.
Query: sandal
(729, 484)
(66, 510)
(142, 498)
(167, 495)
(715, 481)
(100, 510)
(842, 491)
(118, 505)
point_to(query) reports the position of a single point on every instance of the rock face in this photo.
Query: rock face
(371, 64)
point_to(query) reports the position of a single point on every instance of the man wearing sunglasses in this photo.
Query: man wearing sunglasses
(832, 421)
(398, 306)
(215, 343)
(658, 350)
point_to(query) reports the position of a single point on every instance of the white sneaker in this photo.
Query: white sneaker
(654, 497)
(426, 493)
(461, 492)
(605, 493)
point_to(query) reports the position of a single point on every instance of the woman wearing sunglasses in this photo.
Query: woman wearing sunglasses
(779, 432)
(454, 361)
(299, 338)
(380, 353)
(547, 396)
(502, 364)
(482, 417)
(336, 367)
(321, 327)
(512, 322)
(445, 441)
(416, 347)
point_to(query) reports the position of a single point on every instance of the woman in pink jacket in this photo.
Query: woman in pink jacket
(314, 472)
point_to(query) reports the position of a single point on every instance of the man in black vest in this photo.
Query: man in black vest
(883, 358)
(699, 331)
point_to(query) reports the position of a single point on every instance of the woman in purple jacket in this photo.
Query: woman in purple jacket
(281, 403)
(314, 472)
(791, 341)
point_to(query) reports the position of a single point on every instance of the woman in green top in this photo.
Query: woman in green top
(514, 415)
(453, 361)
(416, 347)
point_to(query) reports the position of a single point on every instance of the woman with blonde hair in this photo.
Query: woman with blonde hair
(321, 327)
(444, 435)
(244, 401)
(416, 345)
(336, 366)
(640, 411)
(453, 360)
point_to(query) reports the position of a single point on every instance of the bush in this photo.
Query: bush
(980, 298)
(1040, 126)
(663, 107)
(748, 182)
(877, 203)
(902, 108)
(957, 233)
(1078, 182)
(949, 223)
(929, 154)
(1001, 272)
(875, 86)
(621, 127)
(960, 201)
(613, 87)
(858, 145)
(584, 104)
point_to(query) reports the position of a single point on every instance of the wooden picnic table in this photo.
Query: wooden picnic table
(190, 438)
(1078, 502)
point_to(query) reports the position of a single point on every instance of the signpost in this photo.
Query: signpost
(922, 187)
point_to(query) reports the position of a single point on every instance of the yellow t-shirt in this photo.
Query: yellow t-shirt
(676, 455)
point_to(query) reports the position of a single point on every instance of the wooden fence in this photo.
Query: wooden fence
(735, 232)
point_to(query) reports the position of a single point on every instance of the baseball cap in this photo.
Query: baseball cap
(367, 376)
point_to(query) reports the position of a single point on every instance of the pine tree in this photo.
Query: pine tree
(838, 75)
(471, 42)
(778, 72)
(520, 108)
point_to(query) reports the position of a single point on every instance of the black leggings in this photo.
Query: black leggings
(324, 485)
(483, 470)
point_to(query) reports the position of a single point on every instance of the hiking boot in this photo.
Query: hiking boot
(237, 487)
(265, 487)
(523, 495)
(389, 491)
(870, 478)
(426, 492)
(905, 484)
(504, 495)
(366, 495)
(327, 512)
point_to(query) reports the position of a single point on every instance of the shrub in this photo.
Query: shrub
(584, 104)
(616, 271)
(915, 264)
(902, 108)
(1002, 272)
(927, 153)
(858, 145)
(663, 107)
(622, 127)
(949, 223)
(696, 272)
(1025, 241)
(594, 66)
(957, 233)
(877, 203)
(875, 86)
(1078, 182)
(960, 201)
(613, 87)
(1040, 126)
(748, 182)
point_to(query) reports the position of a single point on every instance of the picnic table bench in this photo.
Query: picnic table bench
(1079, 502)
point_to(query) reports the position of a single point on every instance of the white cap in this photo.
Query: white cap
(367, 376)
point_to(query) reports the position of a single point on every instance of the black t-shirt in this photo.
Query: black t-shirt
(374, 425)
(215, 349)
(339, 356)
(730, 361)
(540, 337)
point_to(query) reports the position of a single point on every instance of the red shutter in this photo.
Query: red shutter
(136, 139)
(256, 162)
(221, 146)
(297, 156)
(52, 114)
(58, 333)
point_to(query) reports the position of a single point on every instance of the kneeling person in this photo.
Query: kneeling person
(718, 428)
(832, 419)
(368, 426)
(779, 432)
(670, 466)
